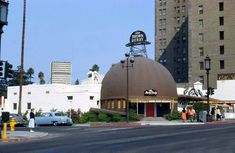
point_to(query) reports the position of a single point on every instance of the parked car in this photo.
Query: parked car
(20, 121)
(53, 118)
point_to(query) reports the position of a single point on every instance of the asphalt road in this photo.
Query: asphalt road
(149, 139)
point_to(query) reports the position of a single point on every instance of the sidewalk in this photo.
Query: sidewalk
(22, 136)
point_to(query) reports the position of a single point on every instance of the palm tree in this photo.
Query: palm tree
(41, 77)
(30, 72)
(22, 58)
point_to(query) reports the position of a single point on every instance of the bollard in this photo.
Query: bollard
(12, 124)
(4, 132)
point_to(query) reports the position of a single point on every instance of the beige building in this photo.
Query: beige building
(188, 30)
(61, 72)
(211, 32)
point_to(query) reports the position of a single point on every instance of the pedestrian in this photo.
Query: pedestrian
(223, 114)
(183, 115)
(190, 114)
(218, 114)
(31, 120)
(213, 113)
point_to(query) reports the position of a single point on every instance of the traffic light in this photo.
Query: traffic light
(212, 92)
(8, 70)
(2, 69)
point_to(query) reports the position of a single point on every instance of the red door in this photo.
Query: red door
(150, 110)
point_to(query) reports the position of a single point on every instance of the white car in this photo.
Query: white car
(53, 118)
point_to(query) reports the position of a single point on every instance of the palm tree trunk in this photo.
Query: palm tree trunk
(22, 59)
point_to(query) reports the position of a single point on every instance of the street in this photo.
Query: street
(155, 139)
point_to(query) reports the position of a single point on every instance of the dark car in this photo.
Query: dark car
(20, 121)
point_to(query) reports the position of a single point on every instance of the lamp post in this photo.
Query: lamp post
(127, 80)
(3, 17)
(207, 61)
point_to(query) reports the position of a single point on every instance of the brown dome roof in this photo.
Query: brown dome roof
(144, 75)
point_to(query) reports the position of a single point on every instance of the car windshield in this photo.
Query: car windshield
(46, 114)
(58, 114)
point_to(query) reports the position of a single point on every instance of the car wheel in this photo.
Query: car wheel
(55, 123)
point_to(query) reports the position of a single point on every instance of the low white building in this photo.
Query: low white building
(58, 97)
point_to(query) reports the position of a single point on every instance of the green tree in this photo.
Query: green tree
(76, 82)
(30, 72)
(41, 77)
(15, 80)
(95, 67)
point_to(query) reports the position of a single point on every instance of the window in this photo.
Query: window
(201, 65)
(221, 35)
(178, 19)
(183, 18)
(221, 20)
(47, 92)
(221, 6)
(119, 104)
(201, 79)
(221, 48)
(201, 51)
(221, 64)
(28, 105)
(124, 104)
(14, 106)
(91, 97)
(29, 93)
(112, 104)
(15, 93)
(200, 9)
(201, 24)
(200, 37)
(183, 8)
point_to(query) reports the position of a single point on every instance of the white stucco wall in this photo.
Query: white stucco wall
(54, 96)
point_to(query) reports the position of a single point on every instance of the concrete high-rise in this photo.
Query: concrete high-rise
(172, 37)
(61, 72)
(188, 30)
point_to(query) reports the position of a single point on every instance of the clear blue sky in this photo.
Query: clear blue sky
(83, 32)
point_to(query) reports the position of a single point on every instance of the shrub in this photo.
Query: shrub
(116, 118)
(173, 116)
(103, 117)
(133, 116)
(84, 118)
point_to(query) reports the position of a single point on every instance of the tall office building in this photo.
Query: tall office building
(189, 30)
(172, 37)
(212, 33)
(61, 72)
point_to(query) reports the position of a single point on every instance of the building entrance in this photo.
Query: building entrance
(150, 110)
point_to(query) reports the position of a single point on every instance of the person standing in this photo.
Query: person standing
(184, 115)
(31, 120)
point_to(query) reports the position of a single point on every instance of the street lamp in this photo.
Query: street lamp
(207, 61)
(3, 17)
(131, 59)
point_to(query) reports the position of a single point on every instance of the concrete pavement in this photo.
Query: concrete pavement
(22, 136)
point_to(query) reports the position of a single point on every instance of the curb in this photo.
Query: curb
(15, 140)
(115, 124)
(222, 122)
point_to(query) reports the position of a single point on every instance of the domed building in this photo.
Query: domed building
(150, 88)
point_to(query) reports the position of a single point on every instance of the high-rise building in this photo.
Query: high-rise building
(172, 37)
(61, 72)
(211, 32)
(188, 30)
